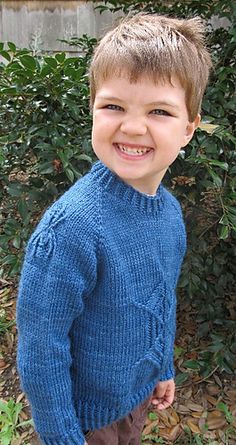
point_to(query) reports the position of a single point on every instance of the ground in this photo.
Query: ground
(204, 411)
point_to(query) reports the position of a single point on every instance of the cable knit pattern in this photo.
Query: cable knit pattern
(96, 305)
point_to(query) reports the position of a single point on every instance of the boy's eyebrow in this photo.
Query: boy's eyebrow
(103, 96)
(153, 104)
(164, 103)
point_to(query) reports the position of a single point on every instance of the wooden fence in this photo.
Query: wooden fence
(39, 24)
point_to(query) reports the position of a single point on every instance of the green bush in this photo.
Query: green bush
(45, 137)
(45, 145)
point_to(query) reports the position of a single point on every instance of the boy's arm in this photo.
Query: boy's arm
(50, 298)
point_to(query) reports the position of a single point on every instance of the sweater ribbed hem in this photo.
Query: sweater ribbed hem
(110, 182)
(94, 417)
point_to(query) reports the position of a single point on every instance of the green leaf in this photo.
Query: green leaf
(51, 62)
(223, 165)
(3, 406)
(9, 259)
(178, 352)
(191, 364)
(9, 91)
(1, 46)
(232, 219)
(195, 279)
(70, 174)
(15, 189)
(14, 66)
(5, 55)
(45, 70)
(78, 73)
(64, 158)
(84, 157)
(70, 72)
(152, 416)
(224, 220)
(215, 347)
(25, 423)
(70, 61)
(16, 242)
(3, 140)
(229, 208)
(17, 407)
(23, 208)
(224, 408)
(184, 280)
(29, 62)
(60, 57)
(11, 46)
(46, 168)
(198, 440)
(216, 179)
(223, 232)
(6, 437)
(181, 378)
(43, 145)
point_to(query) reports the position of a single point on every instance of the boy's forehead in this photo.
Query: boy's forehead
(115, 82)
(150, 79)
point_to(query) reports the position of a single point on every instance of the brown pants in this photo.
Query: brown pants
(126, 431)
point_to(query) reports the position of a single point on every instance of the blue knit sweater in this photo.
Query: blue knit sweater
(96, 306)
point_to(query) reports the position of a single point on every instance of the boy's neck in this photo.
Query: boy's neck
(146, 187)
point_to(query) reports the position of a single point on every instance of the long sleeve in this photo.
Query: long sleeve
(59, 270)
(169, 370)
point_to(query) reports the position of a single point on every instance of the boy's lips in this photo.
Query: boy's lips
(132, 150)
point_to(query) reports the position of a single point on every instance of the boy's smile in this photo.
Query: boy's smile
(132, 150)
(139, 129)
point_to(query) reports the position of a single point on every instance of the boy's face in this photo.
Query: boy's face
(139, 129)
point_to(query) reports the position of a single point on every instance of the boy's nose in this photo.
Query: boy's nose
(134, 126)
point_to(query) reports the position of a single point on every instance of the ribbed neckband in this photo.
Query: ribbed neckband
(110, 182)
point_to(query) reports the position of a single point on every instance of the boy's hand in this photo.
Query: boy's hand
(163, 394)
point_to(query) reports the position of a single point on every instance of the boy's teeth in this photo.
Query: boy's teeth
(133, 151)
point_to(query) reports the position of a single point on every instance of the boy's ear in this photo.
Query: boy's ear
(190, 129)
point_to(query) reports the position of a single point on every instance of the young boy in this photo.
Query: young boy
(96, 306)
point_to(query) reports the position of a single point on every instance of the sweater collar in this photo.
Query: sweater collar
(110, 182)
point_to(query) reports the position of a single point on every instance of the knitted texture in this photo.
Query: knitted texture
(96, 305)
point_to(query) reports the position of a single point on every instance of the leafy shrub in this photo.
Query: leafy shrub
(45, 137)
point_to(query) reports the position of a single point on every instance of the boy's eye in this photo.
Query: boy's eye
(160, 112)
(113, 107)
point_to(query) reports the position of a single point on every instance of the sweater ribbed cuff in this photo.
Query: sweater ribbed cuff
(74, 438)
(168, 374)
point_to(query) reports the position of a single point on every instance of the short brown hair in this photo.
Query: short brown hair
(159, 47)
